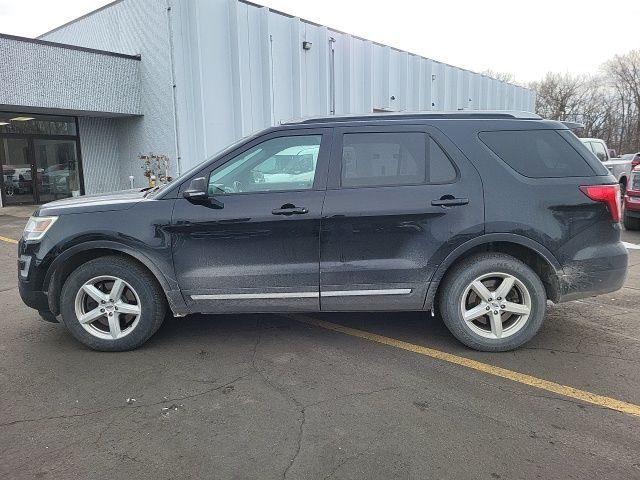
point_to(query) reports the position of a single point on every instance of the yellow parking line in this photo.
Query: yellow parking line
(582, 395)
(8, 240)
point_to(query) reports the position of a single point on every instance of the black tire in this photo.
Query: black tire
(630, 223)
(456, 284)
(151, 297)
(47, 316)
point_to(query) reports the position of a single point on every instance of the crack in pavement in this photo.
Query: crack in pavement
(119, 407)
(301, 408)
(355, 394)
(598, 326)
(578, 352)
(375, 439)
(284, 394)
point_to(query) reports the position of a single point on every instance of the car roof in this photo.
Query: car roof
(459, 114)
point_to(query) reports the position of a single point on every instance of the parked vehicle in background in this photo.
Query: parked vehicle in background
(619, 167)
(631, 215)
(634, 157)
(480, 216)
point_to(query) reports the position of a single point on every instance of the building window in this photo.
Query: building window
(32, 124)
(39, 158)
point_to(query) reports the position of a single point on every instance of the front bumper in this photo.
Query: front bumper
(32, 298)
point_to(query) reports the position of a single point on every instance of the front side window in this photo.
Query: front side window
(393, 158)
(283, 163)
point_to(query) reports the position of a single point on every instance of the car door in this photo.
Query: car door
(399, 200)
(253, 245)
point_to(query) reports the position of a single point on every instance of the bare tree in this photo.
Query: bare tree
(608, 104)
(559, 96)
(624, 74)
(502, 76)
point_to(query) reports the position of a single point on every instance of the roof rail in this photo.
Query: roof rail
(459, 114)
(573, 125)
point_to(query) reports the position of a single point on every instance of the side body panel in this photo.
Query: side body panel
(245, 257)
(552, 212)
(380, 246)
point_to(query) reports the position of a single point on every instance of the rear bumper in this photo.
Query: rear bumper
(597, 275)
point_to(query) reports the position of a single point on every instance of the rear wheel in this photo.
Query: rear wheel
(492, 302)
(112, 304)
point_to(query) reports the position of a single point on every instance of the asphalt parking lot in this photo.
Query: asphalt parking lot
(313, 397)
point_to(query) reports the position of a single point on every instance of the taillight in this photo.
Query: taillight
(608, 194)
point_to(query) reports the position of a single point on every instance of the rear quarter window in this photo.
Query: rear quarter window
(537, 153)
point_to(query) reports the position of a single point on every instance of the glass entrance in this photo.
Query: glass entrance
(39, 158)
(56, 165)
(16, 167)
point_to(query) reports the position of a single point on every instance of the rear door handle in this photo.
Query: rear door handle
(449, 202)
(290, 210)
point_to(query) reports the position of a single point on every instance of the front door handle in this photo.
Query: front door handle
(449, 201)
(290, 210)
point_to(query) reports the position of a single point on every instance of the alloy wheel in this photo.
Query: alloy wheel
(108, 307)
(496, 305)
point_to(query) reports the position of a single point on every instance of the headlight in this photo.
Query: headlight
(37, 227)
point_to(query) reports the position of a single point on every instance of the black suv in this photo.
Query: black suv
(482, 217)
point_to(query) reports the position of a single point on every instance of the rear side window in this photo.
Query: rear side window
(393, 158)
(537, 153)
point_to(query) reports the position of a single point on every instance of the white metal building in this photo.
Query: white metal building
(184, 78)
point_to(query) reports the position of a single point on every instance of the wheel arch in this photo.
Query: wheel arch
(75, 256)
(532, 253)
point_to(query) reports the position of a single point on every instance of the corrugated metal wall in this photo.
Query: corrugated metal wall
(242, 68)
(99, 145)
(239, 68)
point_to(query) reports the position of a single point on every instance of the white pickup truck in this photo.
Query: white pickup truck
(620, 167)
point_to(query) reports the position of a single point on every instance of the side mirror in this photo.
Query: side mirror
(197, 193)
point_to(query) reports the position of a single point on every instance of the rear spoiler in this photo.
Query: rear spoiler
(573, 125)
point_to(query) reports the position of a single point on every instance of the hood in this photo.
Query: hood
(121, 200)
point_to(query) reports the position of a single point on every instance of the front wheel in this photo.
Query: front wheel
(112, 304)
(492, 302)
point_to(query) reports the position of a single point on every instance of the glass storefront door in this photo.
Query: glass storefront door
(15, 164)
(56, 165)
(39, 158)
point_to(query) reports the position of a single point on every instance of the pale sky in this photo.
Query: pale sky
(525, 38)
